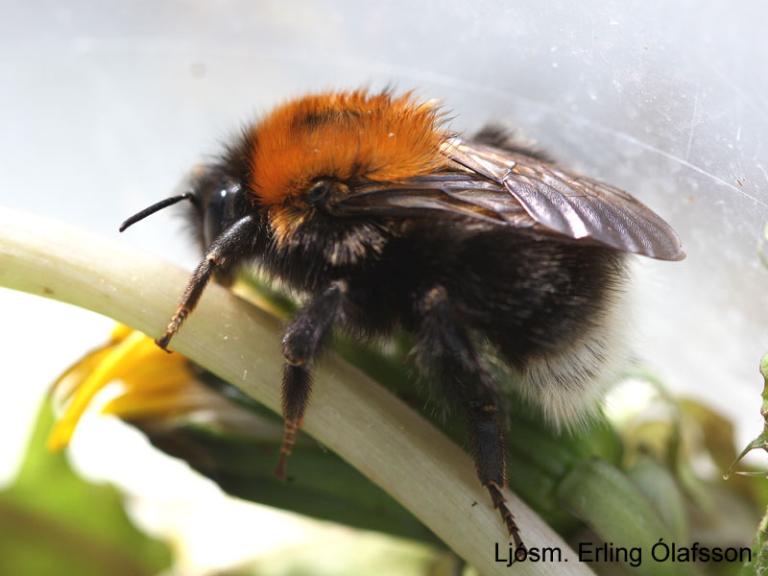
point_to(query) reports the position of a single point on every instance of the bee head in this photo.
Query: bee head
(218, 202)
(287, 172)
(219, 199)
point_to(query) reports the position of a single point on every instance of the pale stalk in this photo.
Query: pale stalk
(351, 414)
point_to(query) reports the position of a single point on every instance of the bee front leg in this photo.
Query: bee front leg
(302, 342)
(220, 257)
(445, 350)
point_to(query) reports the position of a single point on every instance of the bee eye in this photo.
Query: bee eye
(225, 205)
(319, 193)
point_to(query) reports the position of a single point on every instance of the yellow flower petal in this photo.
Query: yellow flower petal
(138, 406)
(121, 332)
(104, 372)
(65, 385)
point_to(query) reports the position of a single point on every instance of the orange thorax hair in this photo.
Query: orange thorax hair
(343, 135)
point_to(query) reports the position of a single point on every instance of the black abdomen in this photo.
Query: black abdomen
(529, 296)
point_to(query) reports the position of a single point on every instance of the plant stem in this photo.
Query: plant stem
(387, 441)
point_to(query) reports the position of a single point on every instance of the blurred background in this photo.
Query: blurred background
(105, 106)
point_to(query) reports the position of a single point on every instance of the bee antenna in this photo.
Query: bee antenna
(148, 211)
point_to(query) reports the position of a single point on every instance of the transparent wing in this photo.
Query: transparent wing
(444, 194)
(572, 206)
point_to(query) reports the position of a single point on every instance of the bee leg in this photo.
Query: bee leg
(302, 342)
(218, 256)
(297, 385)
(445, 349)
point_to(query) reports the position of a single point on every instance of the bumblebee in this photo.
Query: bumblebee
(488, 254)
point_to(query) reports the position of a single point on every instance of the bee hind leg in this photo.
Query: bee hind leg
(445, 350)
(302, 342)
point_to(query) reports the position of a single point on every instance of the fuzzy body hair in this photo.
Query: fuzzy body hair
(549, 310)
(569, 385)
(387, 222)
(342, 135)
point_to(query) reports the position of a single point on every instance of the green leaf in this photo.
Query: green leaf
(657, 483)
(618, 511)
(54, 522)
(320, 484)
